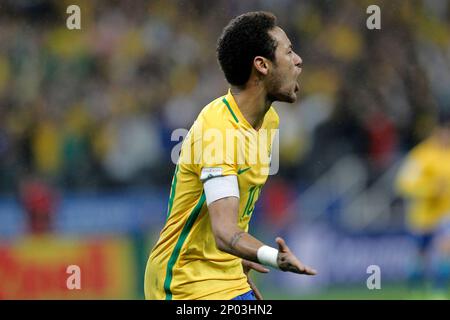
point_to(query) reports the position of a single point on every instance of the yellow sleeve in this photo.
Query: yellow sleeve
(209, 154)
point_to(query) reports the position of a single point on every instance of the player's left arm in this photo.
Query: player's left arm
(232, 239)
(222, 198)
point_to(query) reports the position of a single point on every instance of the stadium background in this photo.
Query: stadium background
(86, 117)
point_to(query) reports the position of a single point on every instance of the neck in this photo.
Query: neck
(252, 102)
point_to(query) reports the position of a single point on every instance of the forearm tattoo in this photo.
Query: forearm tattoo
(236, 237)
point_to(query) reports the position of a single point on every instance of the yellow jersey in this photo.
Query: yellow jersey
(185, 262)
(425, 180)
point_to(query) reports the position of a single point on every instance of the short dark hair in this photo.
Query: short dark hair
(244, 38)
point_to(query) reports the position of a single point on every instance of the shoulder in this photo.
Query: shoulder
(216, 115)
(213, 118)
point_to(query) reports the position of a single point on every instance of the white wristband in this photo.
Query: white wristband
(268, 256)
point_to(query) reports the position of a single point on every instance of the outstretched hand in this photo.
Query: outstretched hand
(287, 261)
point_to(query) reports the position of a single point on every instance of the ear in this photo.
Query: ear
(261, 65)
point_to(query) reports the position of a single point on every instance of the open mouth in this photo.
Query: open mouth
(297, 87)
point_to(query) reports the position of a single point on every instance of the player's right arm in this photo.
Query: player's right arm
(233, 240)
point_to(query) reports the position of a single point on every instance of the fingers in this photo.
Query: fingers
(309, 271)
(249, 265)
(258, 267)
(257, 293)
(302, 269)
(296, 265)
(282, 246)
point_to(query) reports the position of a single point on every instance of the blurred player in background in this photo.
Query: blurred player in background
(424, 180)
(204, 250)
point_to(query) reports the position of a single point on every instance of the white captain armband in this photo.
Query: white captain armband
(220, 187)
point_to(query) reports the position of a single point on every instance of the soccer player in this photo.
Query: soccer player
(424, 180)
(204, 250)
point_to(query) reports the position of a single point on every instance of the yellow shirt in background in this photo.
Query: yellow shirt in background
(424, 179)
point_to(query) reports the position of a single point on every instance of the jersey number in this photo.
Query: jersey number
(250, 206)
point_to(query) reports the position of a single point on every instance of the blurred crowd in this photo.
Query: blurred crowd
(94, 109)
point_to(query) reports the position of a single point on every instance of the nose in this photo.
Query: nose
(298, 61)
